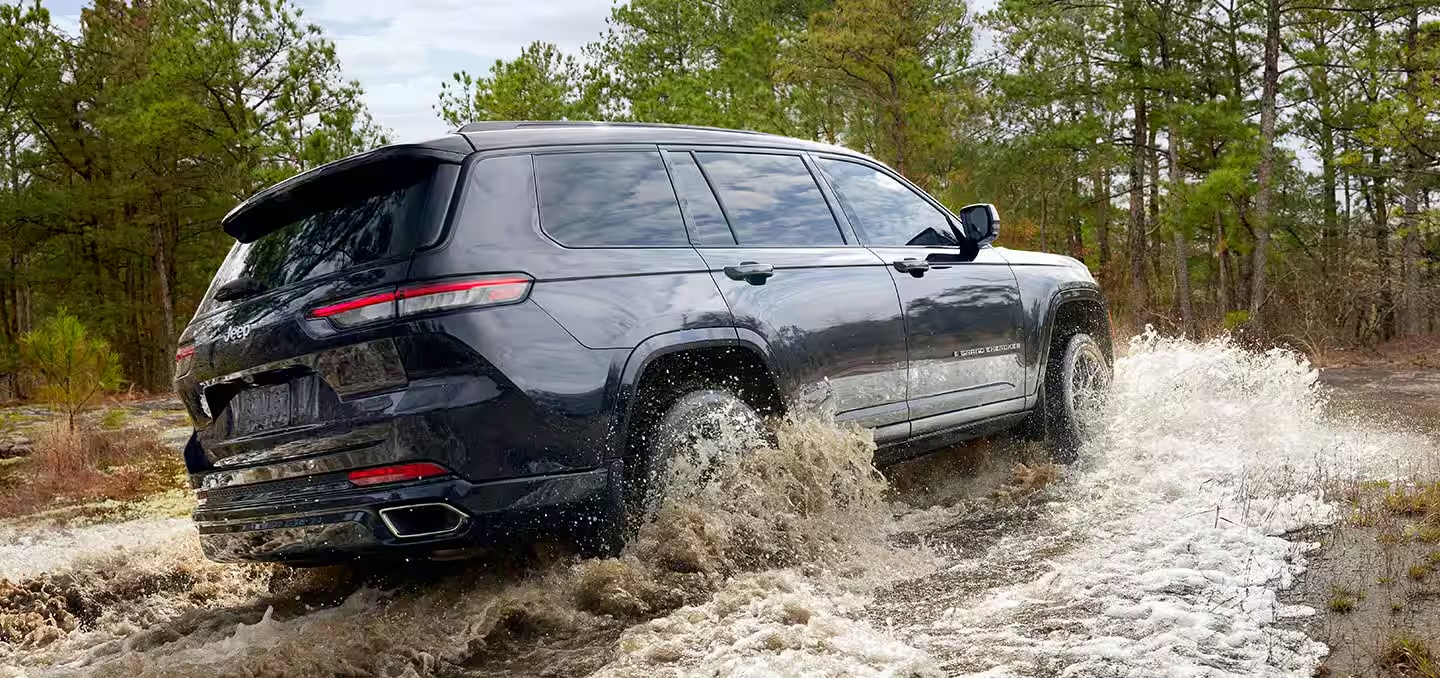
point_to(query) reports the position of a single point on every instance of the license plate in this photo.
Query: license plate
(261, 409)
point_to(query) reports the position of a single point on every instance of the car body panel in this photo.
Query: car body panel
(832, 321)
(1046, 281)
(964, 327)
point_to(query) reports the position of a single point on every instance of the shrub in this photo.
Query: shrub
(114, 418)
(85, 465)
(71, 366)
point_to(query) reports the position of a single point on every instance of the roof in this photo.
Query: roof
(491, 135)
(273, 206)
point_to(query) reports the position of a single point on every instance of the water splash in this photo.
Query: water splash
(1175, 522)
(802, 501)
(1160, 553)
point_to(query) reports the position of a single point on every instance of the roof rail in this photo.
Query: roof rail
(491, 125)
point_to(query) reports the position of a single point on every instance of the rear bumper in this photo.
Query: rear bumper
(348, 524)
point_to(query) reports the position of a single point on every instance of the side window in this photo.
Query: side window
(889, 212)
(608, 199)
(771, 199)
(707, 220)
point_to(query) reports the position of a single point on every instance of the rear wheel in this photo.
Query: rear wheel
(1075, 381)
(702, 428)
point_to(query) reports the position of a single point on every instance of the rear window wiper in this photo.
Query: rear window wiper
(239, 288)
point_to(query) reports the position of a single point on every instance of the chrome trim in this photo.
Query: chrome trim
(464, 519)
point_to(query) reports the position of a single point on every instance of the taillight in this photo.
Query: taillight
(425, 298)
(396, 474)
(184, 358)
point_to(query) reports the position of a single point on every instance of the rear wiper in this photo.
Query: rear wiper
(239, 288)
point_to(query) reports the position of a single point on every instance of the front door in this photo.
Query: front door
(826, 307)
(963, 318)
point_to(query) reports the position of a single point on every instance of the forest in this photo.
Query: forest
(1260, 167)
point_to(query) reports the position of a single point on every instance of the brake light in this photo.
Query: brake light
(184, 358)
(396, 474)
(425, 298)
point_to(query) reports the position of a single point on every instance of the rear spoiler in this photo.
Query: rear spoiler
(330, 186)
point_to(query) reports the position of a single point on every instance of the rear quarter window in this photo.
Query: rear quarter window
(608, 199)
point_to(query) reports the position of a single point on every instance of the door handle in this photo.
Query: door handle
(749, 271)
(915, 267)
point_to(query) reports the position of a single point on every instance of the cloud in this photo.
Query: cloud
(401, 50)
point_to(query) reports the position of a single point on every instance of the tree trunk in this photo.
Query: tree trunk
(1264, 173)
(1044, 217)
(1099, 177)
(1330, 250)
(162, 273)
(1135, 238)
(1222, 266)
(1101, 190)
(1076, 237)
(1377, 201)
(1414, 324)
(1182, 248)
(1173, 192)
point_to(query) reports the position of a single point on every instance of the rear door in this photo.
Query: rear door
(825, 305)
(964, 317)
(259, 368)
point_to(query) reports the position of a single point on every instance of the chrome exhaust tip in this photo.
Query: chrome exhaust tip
(423, 520)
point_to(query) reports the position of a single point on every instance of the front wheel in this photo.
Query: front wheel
(1075, 381)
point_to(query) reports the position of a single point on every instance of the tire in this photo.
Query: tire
(1076, 378)
(698, 430)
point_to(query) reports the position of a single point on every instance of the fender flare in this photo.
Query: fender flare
(646, 352)
(1068, 293)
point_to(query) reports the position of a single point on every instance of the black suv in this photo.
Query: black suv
(427, 346)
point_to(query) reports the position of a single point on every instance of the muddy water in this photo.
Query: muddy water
(1159, 554)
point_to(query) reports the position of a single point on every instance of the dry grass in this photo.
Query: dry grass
(1410, 656)
(1423, 352)
(69, 467)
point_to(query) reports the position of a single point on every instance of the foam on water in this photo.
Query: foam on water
(1209, 455)
(27, 551)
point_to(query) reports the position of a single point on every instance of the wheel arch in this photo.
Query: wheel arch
(1073, 310)
(689, 353)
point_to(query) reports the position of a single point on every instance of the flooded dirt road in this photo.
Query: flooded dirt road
(1163, 552)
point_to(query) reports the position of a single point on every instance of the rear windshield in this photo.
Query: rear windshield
(368, 229)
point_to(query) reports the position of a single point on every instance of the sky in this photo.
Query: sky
(401, 50)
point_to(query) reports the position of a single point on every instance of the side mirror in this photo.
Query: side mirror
(982, 223)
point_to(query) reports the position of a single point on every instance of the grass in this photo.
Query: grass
(1417, 501)
(1419, 572)
(1409, 656)
(1343, 599)
(1341, 604)
(114, 418)
(71, 467)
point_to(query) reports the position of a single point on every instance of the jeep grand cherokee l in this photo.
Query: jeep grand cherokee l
(426, 346)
